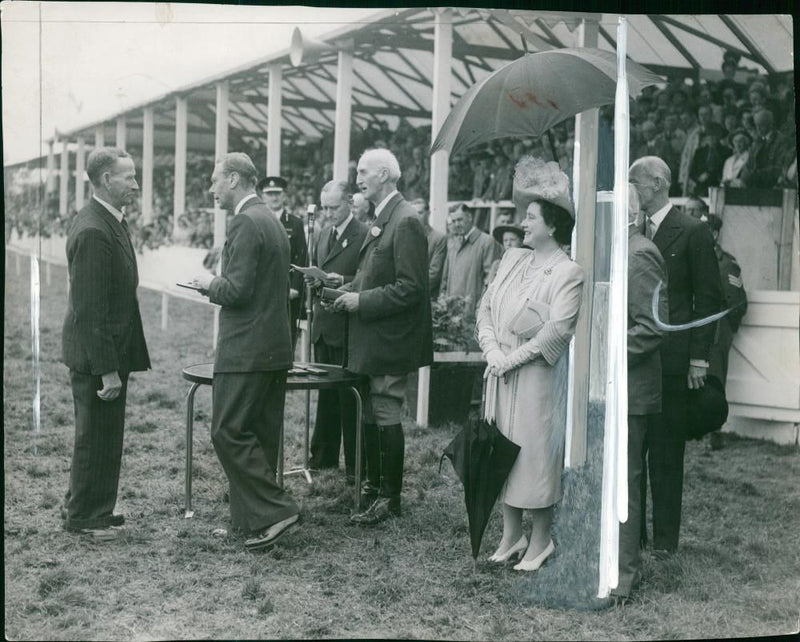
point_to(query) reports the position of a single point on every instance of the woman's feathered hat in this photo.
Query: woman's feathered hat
(537, 180)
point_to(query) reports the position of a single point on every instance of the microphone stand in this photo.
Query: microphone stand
(309, 297)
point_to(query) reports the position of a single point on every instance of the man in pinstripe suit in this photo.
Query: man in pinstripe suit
(103, 341)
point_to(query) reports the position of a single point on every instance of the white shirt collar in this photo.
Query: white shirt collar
(382, 204)
(341, 228)
(113, 210)
(241, 203)
(657, 218)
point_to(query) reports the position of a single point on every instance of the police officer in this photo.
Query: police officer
(272, 190)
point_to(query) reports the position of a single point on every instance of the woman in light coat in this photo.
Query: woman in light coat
(525, 322)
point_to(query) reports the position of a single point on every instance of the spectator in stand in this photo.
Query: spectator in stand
(692, 143)
(437, 246)
(730, 62)
(502, 178)
(504, 217)
(652, 142)
(732, 123)
(470, 255)
(708, 161)
(481, 176)
(734, 164)
(748, 124)
(765, 163)
(362, 209)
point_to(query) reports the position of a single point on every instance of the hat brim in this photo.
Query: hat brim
(498, 232)
(523, 198)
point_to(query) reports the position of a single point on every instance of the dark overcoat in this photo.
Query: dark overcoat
(391, 331)
(693, 289)
(253, 290)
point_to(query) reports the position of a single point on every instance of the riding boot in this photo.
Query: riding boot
(392, 451)
(371, 464)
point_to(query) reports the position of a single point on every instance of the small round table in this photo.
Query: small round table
(334, 377)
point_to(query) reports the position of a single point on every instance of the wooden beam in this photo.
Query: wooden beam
(703, 35)
(664, 29)
(80, 170)
(756, 54)
(63, 185)
(179, 183)
(344, 101)
(274, 119)
(147, 165)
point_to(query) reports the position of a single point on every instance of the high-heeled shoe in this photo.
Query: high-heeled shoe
(536, 562)
(519, 547)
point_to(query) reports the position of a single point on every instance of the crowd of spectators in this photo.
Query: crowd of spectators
(738, 131)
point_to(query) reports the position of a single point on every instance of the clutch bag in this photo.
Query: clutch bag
(530, 319)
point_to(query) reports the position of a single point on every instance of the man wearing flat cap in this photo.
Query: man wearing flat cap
(272, 190)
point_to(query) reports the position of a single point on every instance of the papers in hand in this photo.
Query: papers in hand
(311, 271)
(190, 286)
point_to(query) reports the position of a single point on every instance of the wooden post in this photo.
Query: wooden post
(63, 191)
(274, 120)
(220, 149)
(147, 165)
(47, 272)
(122, 131)
(584, 188)
(51, 167)
(786, 239)
(442, 59)
(179, 192)
(164, 310)
(80, 187)
(99, 135)
(344, 99)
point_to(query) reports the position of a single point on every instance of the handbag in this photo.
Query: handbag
(530, 319)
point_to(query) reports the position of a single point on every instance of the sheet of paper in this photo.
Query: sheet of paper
(312, 271)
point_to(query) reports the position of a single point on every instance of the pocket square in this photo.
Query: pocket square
(530, 319)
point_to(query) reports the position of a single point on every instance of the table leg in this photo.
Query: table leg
(188, 512)
(279, 472)
(306, 438)
(359, 436)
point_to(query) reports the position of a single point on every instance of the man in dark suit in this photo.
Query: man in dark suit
(694, 293)
(646, 270)
(103, 341)
(336, 253)
(437, 247)
(389, 327)
(272, 189)
(254, 353)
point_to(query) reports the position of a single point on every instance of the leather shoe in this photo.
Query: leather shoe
(380, 510)
(267, 538)
(368, 497)
(107, 534)
(114, 520)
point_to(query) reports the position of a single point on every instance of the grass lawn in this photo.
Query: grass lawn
(736, 573)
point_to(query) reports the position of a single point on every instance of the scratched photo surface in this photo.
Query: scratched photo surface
(459, 96)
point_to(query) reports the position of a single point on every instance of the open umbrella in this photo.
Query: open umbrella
(531, 94)
(482, 458)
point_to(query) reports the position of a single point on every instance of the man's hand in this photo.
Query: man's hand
(203, 281)
(697, 377)
(348, 302)
(112, 384)
(333, 280)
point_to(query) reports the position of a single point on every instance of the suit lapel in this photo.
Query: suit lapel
(381, 222)
(669, 230)
(338, 247)
(116, 229)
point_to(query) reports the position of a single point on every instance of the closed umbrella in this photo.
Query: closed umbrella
(482, 458)
(531, 94)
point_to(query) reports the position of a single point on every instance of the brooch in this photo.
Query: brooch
(548, 271)
(375, 231)
(344, 244)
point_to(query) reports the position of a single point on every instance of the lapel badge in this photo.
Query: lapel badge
(375, 231)
(344, 243)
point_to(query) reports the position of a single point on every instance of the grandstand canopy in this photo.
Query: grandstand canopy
(393, 67)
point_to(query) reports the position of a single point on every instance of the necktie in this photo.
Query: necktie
(332, 240)
(649, 228)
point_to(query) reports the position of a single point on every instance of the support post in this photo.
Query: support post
(80, 186)
(220, 149)
(164, 310)
(442, 60)
(51, 167)
(179, 193)
(122, 132)
(274, 120)
(64, 181)
(344, 98)
(147, 165)
(99, 135)
(584, 187)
